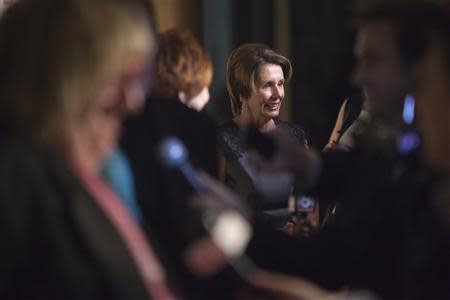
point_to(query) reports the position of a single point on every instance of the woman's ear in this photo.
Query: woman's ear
(243, 103)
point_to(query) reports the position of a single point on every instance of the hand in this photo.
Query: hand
(302, 227)
(228, 230)
(304, 163)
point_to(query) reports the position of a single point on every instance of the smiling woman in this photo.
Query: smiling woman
(265, 102)
(256, 76)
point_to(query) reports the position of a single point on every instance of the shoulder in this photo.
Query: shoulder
(23, 180)
(297, 131)
(28, 169)
(228, 128)
(230, 140)
(17, 157)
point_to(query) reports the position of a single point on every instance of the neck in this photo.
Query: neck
(245, 119)
(77, 151)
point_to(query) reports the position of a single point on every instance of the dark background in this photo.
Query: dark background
(316, 35)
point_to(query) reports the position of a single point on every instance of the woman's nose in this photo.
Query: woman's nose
(277, 92)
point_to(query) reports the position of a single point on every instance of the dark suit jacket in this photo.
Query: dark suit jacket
(56, 242)
(164, 194)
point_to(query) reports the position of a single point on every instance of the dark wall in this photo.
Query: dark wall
(322, 55)
(253, 21)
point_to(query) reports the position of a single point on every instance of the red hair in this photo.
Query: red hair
(181, 65)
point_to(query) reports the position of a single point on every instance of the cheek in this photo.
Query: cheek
(385, 84)
(378, 73)
(134, 98)
(264, 97)
(105, 132)
(262, 102)
(255, 101)
(392, 77)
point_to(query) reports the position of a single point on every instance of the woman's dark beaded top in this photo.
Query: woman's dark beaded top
(231, 139)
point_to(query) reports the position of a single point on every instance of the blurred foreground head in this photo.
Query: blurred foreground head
(72, 70)
(391, 39)
(183, 70)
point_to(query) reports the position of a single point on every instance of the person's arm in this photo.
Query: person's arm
(333, 140)
(221, 167)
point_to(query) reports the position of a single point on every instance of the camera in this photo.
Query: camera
(304, 204)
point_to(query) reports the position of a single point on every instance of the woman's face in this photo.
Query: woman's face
(380, 71)
(118, 98)
(265, 100)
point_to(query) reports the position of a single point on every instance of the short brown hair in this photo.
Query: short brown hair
(242, 66)
(417, 23)
(181, 65)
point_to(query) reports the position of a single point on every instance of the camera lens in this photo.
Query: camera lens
(305, 203)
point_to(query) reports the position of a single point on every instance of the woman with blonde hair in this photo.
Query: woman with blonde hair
(71, 72)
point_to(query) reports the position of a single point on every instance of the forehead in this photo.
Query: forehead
(376, 37)
(269, 72)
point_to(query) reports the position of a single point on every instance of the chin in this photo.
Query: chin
(106, 149)
(272, 114)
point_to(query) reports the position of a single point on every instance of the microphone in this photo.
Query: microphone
(173, 154)
(230, 232)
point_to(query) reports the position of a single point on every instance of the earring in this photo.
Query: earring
(243, 104)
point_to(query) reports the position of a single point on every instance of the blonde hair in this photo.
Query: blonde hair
(55, 54)
(243, 66)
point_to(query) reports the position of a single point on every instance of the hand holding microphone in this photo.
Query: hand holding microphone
(173, 154)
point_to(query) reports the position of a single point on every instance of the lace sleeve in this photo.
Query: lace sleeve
(230, 141)
(298, 132)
